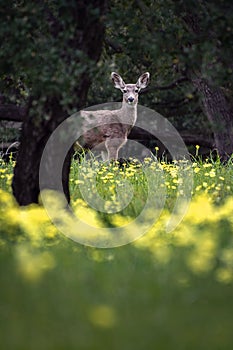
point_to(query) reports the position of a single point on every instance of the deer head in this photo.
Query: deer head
(130, 91)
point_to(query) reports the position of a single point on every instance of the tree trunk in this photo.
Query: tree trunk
(215, 105)
(220, 116)
(35, 133)
(33, 139)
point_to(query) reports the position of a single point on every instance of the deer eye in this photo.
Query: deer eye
(136, 90)
(125, 91)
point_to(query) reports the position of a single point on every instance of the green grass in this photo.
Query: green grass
(164, 291)
(146, 306)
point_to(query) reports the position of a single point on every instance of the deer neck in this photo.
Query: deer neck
(128, 113)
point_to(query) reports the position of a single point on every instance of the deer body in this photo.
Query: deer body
(113, 126)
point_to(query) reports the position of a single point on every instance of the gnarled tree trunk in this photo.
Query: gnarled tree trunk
(220, 116)
(215, 105)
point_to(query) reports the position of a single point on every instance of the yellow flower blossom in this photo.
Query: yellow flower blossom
(33, 265)
(224, 275)
(102, 316)
(196, 170)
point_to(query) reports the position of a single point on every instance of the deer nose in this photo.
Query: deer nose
(130, 99)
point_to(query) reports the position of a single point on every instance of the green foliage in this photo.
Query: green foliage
(154, 36)
(8, 131)
(41, 51)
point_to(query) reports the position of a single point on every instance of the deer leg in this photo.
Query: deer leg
(113, 145)
(104, 155)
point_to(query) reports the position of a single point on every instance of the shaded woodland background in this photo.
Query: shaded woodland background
(56, 57)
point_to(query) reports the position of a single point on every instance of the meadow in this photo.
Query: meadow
(164, 290)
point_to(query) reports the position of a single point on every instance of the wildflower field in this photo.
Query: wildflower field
(165, 290)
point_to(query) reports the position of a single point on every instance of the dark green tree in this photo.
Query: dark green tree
(187, 47)
(49, 52)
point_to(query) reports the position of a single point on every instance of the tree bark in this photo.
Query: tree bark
(215, 105)
(219, 114)
(33, 139)
(35, 133)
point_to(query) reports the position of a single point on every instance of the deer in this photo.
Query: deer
(114, 126)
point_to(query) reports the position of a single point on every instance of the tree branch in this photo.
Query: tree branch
(172, 85)
(116, 47)
(190, 138)
(12, 112)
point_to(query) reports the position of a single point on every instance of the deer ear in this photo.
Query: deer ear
(143, 81)
(118, 81)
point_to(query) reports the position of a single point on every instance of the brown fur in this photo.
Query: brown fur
(113, 126)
